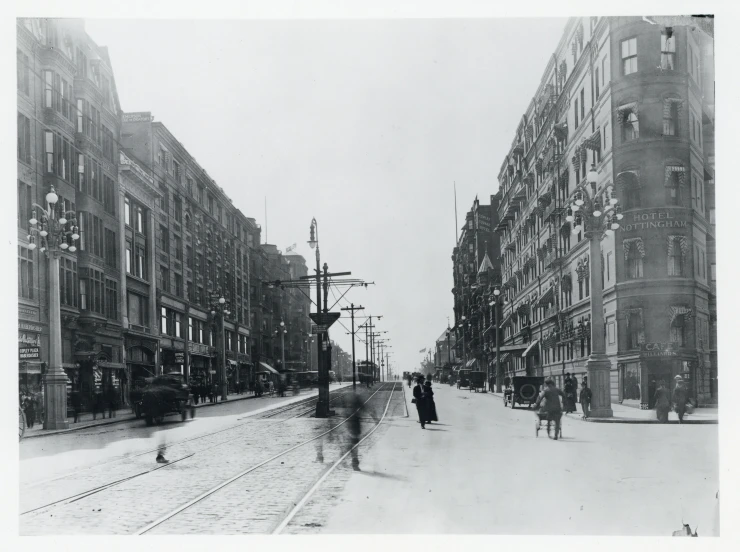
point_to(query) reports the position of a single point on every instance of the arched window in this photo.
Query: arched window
(629, 121)
(676, 253)
(677, 331)
(634, 251)
(675, 176)
(629, 182)
(671, 116)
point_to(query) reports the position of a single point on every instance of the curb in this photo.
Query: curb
(637, 420)
(117, 420)
(130, 417)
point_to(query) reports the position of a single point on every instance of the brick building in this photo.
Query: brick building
(476, 262)
(635, 99)
(68, 134)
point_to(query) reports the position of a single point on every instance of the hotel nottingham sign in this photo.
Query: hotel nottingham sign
(655, 219)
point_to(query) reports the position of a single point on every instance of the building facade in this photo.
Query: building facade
(476, 263)
(633, 99)
(68, 135)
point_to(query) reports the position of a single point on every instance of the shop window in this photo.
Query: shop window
(26, 284)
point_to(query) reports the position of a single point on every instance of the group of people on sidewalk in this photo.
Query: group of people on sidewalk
(424, 400)
(679, 398)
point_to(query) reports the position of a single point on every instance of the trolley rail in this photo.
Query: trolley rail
(251, 469)
(76, 496)
(264, 415)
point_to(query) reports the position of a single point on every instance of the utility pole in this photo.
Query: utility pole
(352, 310)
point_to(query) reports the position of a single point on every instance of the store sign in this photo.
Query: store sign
(29, 327)
(656, 219)
(29, 353)
(137, 117)
(198, 348)
(29, 339)
(658, 349)
(179, 358)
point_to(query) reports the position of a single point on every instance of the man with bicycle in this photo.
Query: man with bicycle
(552, 407)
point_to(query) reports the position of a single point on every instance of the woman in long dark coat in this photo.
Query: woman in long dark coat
(420, 401)
(430, 405)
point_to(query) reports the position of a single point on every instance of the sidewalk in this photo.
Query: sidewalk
(85, 420)
(629, 415)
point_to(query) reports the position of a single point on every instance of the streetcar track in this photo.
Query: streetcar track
(301, 503)
(338, 393)
(159, 521)
(95, 490)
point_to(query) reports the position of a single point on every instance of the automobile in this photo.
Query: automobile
(463, 378)
(164, 395)
(523, 390)
(477, 381)
(137, 390)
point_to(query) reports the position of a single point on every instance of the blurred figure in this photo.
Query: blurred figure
(585, 399)
(161, 450)
(76, 404)
(30, 412)
(662, 403)
(680, 395)
(354, 428)
(569, 404)
(431, 407)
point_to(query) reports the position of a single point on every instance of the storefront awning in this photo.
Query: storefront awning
(530, 348)
(505, 357)
(471, 363)
(267, 368)
(232, 362)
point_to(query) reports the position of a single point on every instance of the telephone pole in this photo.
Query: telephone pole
(352, 310)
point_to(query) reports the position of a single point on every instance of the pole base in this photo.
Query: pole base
(599, 381)
(55, 400)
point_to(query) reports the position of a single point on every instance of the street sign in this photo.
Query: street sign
(318, 328)
(325, 318)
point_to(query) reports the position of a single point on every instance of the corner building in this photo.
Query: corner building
(68, 135)
(635, 99)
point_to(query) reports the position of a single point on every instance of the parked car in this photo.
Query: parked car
(164, 395)
(523, 390)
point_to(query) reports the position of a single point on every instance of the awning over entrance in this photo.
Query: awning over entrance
(505, 357)
(267, 368)
(471, 363)
(232, 362)
(530, 348)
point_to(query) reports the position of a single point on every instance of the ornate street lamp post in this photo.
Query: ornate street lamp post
(595, 212)
(465, 353)
(219, 309)
(282, 331)
(58, 234)
(496, 303)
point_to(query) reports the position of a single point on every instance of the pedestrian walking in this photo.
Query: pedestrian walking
(111, 401)
(680, 396)
(431, 407)
(419, 400)
(585, 399)
(76, 404)
(98, 406)
(569, 404)
(552, 407)
(662, 403)
(30, 412)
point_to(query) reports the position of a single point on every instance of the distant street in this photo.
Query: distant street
(480, 470)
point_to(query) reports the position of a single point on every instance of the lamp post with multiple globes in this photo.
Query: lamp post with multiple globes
(57, 234)
(496, 302)
(595, 212)
(220, 309)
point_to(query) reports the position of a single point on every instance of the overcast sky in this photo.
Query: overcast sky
(363, 124)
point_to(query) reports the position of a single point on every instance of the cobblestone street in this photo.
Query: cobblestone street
(140, 491)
